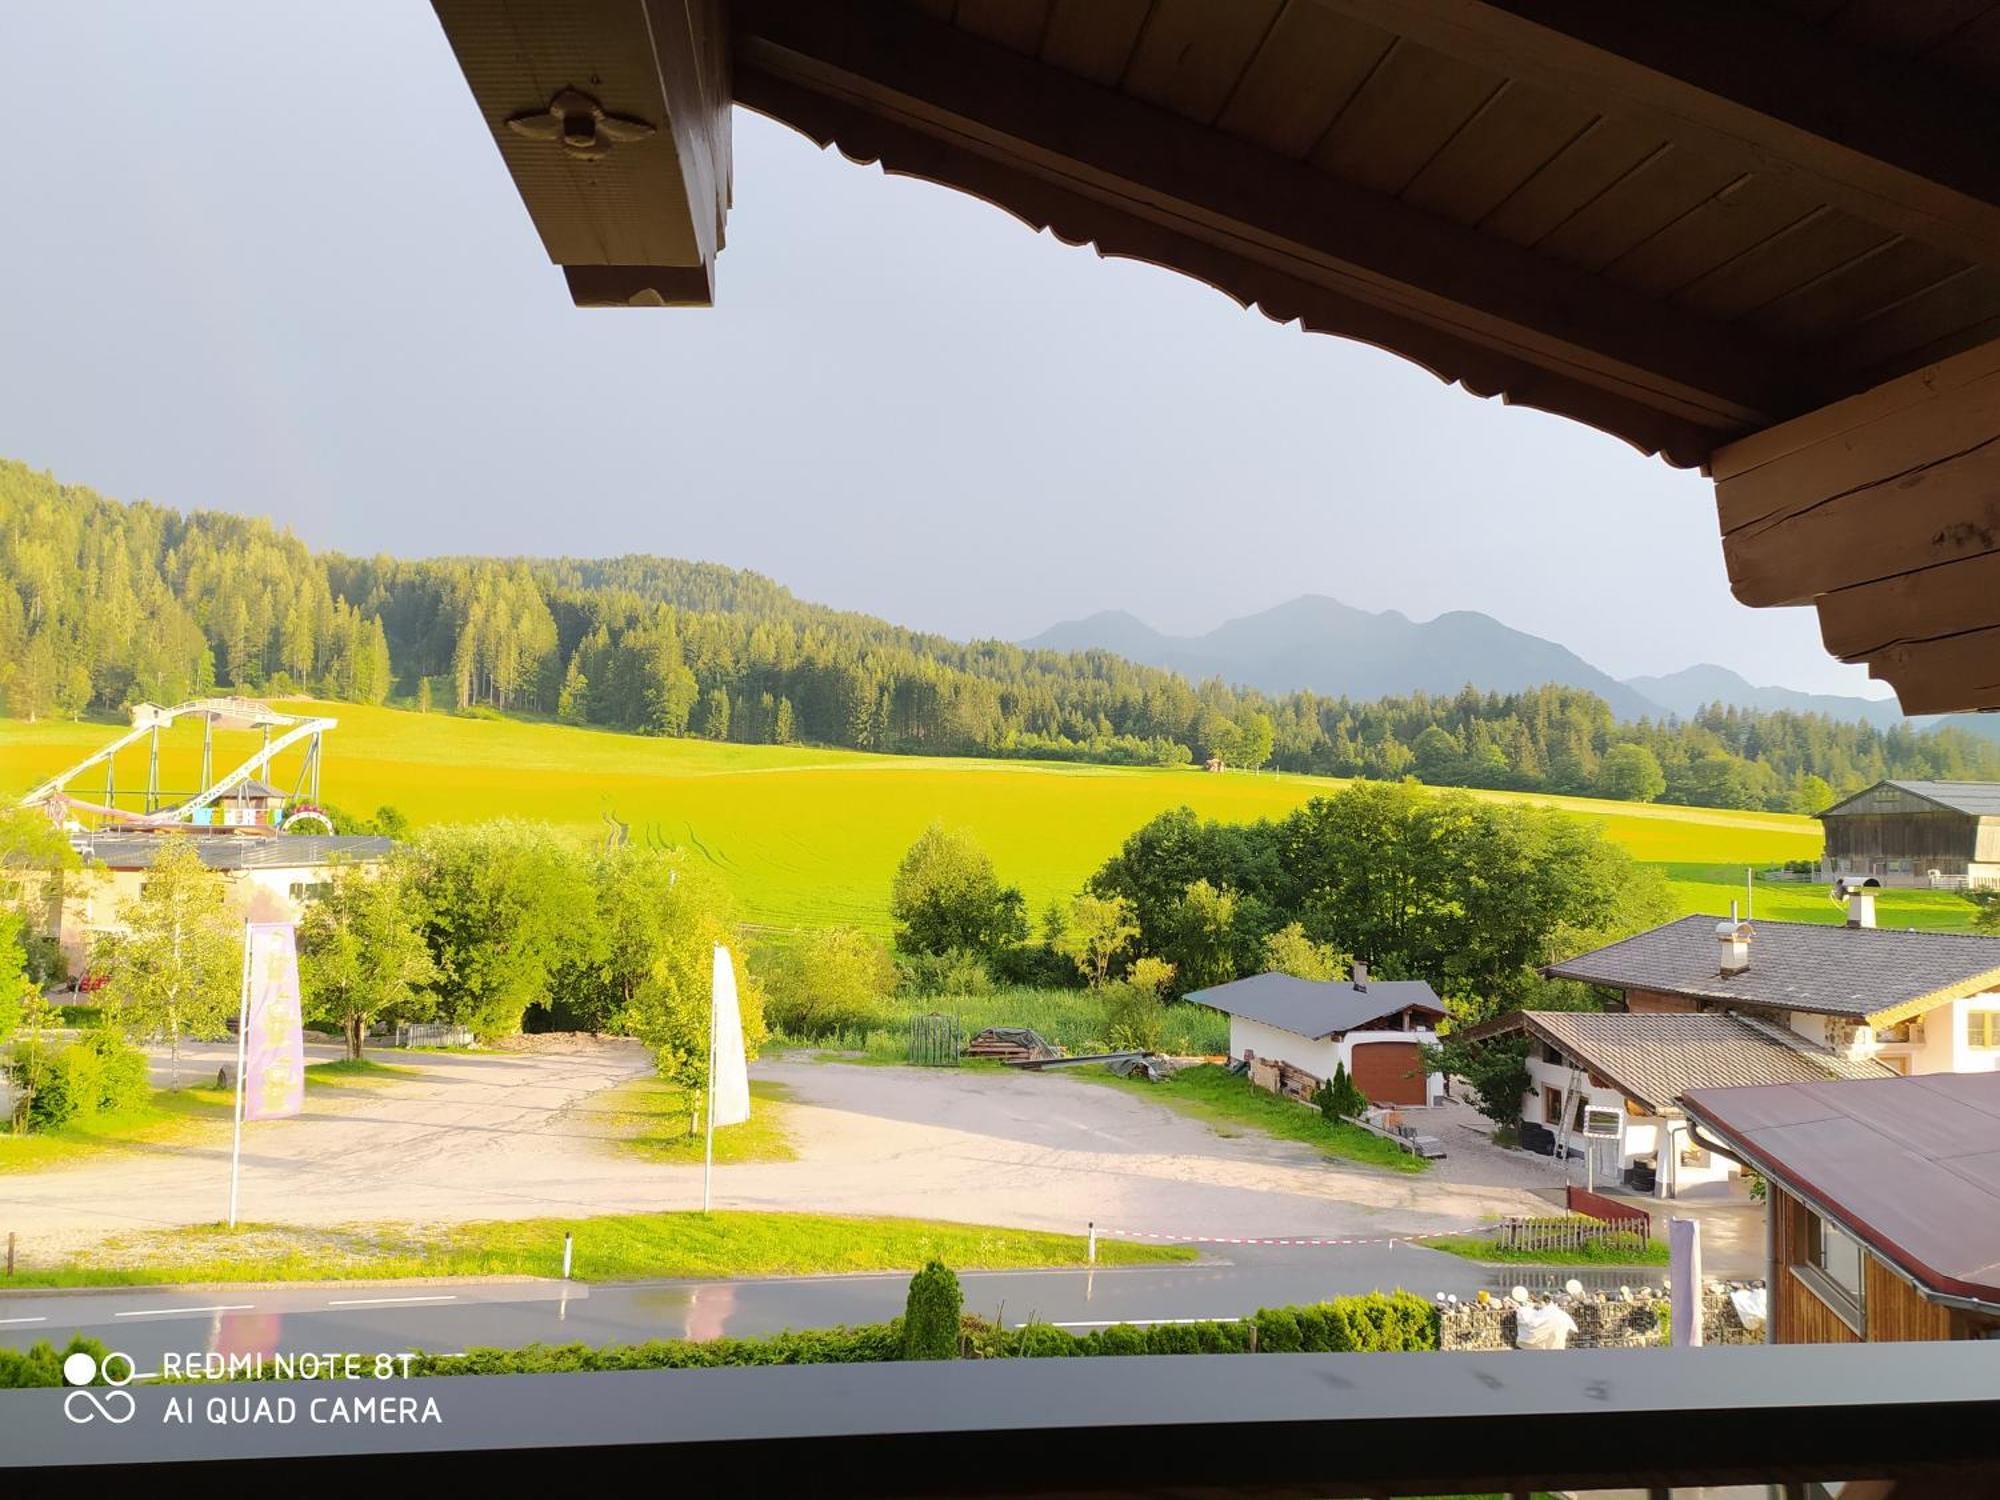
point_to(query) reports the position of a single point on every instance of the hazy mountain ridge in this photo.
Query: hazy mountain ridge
(1321, 645)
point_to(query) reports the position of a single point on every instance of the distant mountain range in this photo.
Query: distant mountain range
(1688, 691)
(1328, 647)
(1324, 646)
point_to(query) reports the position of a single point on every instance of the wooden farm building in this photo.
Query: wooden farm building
(1924, 833)
(1761, 239)
(1884, 1201)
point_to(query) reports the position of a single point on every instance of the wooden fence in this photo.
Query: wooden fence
(1568, 1232)
(1610, 1210)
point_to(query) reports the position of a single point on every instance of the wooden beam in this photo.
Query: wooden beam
(1950, 599)
(1911, 148)
(1956, 673)
(1884, 510)
(1898, 479)
(613, 119)
(1156, 174)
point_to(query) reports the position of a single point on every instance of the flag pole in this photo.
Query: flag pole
(708, 1151)
(242, 1043)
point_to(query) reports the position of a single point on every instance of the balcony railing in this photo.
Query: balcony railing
(1923, 1415)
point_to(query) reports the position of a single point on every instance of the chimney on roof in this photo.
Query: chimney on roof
(1858, 892)
(1360, 975)
(1734, 936)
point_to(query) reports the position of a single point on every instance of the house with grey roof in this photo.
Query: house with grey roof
(1918, 1002)
(1607, 1085)
(1939, 834)
(1376, 1028)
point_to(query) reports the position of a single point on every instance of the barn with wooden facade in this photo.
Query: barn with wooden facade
(1884, 1201)
(1941, 834)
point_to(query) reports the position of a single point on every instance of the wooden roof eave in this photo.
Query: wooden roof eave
(887, 84)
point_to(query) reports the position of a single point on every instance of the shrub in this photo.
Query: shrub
(97, 1074)
(1040, 1341)
(122, 1076)
(1339, 1097)
(1278, 1331)
(828, 982)
(42, 1364)
(932, 1314)
(1120, 1338)
(72, 1082)
(1377, 1323)
(959, 972)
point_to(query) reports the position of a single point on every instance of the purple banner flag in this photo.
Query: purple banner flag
(274, 1056)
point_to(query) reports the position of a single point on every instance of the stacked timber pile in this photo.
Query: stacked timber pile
(1011, 1044)
(1280, 1077)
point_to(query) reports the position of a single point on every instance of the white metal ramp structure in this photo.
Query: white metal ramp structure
(148, 719)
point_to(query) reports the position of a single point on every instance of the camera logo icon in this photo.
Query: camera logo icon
(83, 1404)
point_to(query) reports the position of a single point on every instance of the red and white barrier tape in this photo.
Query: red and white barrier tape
(1217, 1239)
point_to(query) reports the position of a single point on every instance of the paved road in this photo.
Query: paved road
(449, 1316)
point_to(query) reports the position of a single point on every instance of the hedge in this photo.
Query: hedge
(41, 1365)
(1376, 1323)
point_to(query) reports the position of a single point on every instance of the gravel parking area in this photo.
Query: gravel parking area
(488, 1136)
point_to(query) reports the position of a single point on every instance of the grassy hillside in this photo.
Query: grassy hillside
(808, 837)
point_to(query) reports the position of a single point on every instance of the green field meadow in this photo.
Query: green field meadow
(810, 837)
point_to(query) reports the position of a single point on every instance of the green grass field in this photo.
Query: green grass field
(810, 837)
(614, 1247)
(1230, 1105)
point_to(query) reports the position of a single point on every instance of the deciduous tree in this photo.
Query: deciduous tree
(175, 967)
(946, 896)
(1095, 933)
(362, 955)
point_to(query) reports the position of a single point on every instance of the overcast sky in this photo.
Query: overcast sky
(265, 259)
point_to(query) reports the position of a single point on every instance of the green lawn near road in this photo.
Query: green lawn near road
(170, 1117)
(1231, 1105)
(1480, 1248)
(809, 837)
(178, 1117)
(620, 1247)
(356, 1072)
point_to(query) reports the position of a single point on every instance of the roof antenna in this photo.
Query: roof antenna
(1749, 894)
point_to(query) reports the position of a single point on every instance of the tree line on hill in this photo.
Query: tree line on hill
(104, 604)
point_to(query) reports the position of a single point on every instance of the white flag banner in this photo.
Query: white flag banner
(728, 1072)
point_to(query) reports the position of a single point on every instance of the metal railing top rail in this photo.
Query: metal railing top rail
(1334, 1425)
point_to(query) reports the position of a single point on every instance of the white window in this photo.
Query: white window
(1982, 1028)
(1835, 1268)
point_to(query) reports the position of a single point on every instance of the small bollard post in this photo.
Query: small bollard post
(568, 1245)
(1093, 1242)
(10, 1252)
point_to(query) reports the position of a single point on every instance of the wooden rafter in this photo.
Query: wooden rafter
(613, 118)
(1891, 141)
(887, 83)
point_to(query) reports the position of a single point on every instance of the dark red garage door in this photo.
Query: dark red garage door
(1389, 1072)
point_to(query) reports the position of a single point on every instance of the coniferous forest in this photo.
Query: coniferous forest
(103, 604)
